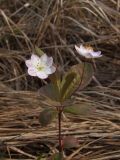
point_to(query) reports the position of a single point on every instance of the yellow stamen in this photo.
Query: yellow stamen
(88, 47)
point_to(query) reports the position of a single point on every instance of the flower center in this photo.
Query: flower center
(89, 48)
(39, 67)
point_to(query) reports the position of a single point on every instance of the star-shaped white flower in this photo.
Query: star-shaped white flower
(41, 67)
(88, 52)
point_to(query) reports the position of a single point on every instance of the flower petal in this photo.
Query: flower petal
(87, 52)
(88, 55)
(44, 58)
(49, 61)
(42, 75)
(40, 66)
(49, 70)
(28, 63)
(53, 69)
(32, 71)
(81, 50)
(35, 59)
(96, 54)
(77, 49)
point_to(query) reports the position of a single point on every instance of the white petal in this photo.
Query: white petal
(49, 70)
(96, 54)
(88, 55)
(53, 69)
(35, 59)
(32, 71)
(42, 75)
(77, 49)
(49, 61)
(44, 58)
(28, 63)
(81, 50)
(87, 52)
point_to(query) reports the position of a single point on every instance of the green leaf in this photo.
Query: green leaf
(40, 158)
(38, 51)
(50, 102)
(46, 116)
(78, 77)
(57, 156)
(50, 91)
(70, 142)
(83, 109)
(68, 84)
(84, 72)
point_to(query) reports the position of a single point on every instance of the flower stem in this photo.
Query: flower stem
(59, 128)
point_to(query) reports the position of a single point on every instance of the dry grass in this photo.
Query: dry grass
(56, 26)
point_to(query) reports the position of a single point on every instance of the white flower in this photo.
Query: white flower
(26, 5)
(87, 52)
(41, 67)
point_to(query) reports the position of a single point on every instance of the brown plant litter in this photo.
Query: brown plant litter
(56, 26)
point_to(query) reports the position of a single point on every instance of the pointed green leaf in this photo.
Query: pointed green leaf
(56, 82)
(46, 116)
(56, 76)
(83, 109)
(70, 142)
(70, 83)
(78, 77)
(67, 83)
(84, 72)
(50, 91)
(38, 51)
